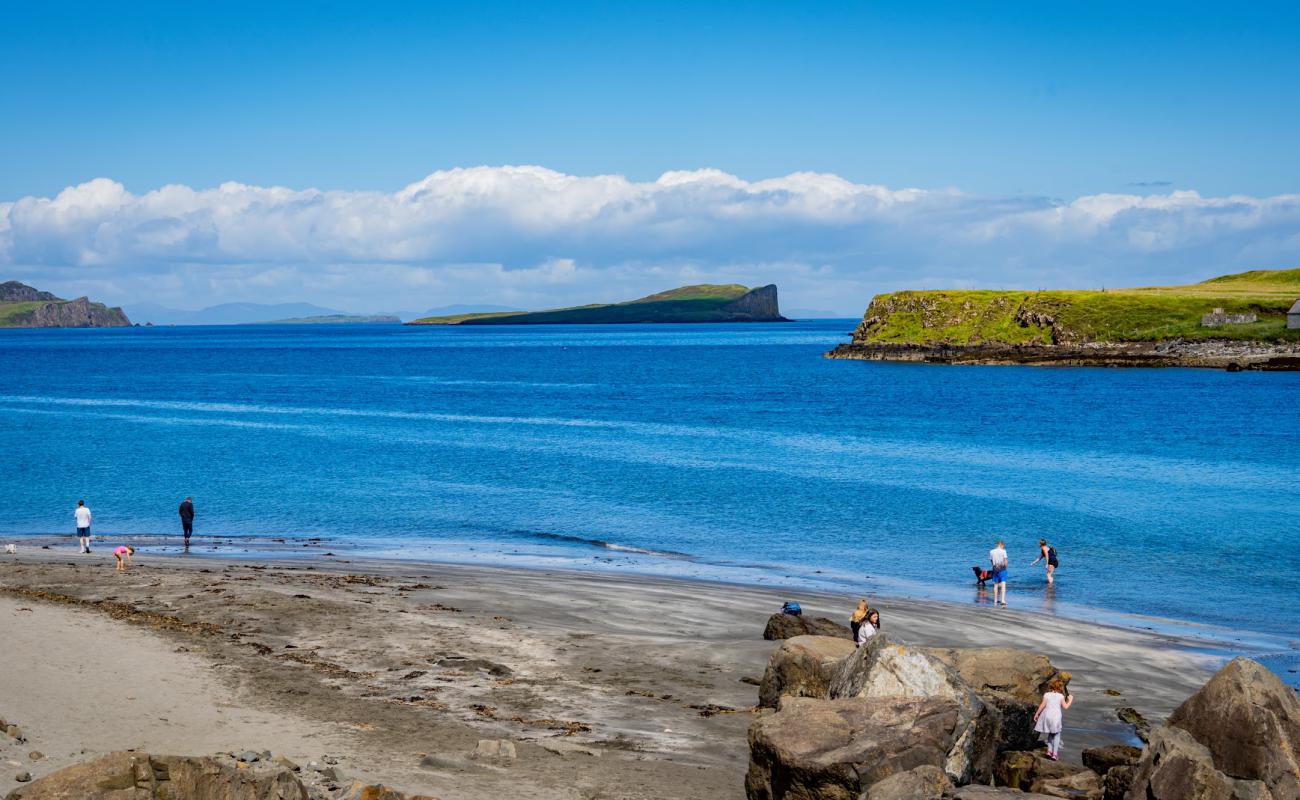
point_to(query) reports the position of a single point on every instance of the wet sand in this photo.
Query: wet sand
(611, 686)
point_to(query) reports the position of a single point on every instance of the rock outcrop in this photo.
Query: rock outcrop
(138, 776)
(882, 669)
(1237, 737)
(15, 292)
(759, 304)
(802, 667)
(836, 749)
(788, 626)
(922, 783)
(54, 312)
(1010, 680)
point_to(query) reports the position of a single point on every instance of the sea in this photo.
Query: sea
(723, 452)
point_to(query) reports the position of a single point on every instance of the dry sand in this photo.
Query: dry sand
(611, 686)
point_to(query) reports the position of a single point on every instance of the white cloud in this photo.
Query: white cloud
(531, 236)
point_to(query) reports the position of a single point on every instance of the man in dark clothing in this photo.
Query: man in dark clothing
(187, 519)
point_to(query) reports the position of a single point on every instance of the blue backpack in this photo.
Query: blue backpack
(791, 608)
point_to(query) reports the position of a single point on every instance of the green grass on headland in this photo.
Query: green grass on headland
(1118, 315)
(9, 312)
(701, 303)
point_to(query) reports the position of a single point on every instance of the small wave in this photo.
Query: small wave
(602, 544)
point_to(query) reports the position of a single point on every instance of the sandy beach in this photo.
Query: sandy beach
(610, 686)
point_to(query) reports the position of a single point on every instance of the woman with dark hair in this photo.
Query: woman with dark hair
(1048, 717)
(1046, 551)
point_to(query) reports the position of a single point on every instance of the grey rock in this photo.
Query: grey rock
(333, 774)
(923, 783)
(1177, 767)
(991, 793)
(1116, 783)
(140, 776)
(1101, 759)
(1030, 770)
(248, 757)
(788, 626)
(803, 667)
(882, 668)
(36, 755)
(1250, 722)
(838, 748)
(15, 732)
(494, 750)
(23, 777)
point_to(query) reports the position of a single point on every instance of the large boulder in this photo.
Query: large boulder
(138, 776)
(835, 749)
(1177, 767)
(975, 792)
(1012, 681)
(802, 667)
(1250, 723)
(882, 668)
(1005, 670)
(1031, 771)
(923, 783)
(788, 626)
(1101, 759)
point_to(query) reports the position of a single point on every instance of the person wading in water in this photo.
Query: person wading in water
(187, 520)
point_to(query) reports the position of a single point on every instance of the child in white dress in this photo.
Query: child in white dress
(1047, 719)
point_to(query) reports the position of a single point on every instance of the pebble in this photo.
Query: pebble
(248, 757)
(333, 774)
(23, 777)
(36, 755)
(14, 732)
(499, 749)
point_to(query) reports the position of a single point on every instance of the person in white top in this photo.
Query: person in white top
(1048, 717)
(869, 627)
(998, 560)
(83, 525)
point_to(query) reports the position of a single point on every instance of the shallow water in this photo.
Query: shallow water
(720, 451)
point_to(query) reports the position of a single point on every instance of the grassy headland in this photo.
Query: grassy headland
(701, 303)
(1157, 313)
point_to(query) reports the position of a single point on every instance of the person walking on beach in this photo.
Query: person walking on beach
(123, 555)
(187, 520)
(998, 562)
(83, 525)
(1046, 551)
(1047, 719)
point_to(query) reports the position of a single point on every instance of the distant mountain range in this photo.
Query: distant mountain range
(286, 313)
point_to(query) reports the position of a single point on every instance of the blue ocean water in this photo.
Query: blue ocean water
(724, 451)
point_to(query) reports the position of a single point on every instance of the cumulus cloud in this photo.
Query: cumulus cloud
(532, 237)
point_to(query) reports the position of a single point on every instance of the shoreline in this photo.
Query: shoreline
(643, 681)
(1032, 595)
(1230, 355)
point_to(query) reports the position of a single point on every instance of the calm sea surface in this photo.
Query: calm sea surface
(720, 451)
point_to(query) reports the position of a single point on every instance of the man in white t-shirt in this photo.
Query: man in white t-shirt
(83, 525)
(998, 560)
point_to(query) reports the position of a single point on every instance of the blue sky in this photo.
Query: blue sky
(1016, 103)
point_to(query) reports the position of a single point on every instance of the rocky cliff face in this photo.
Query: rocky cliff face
(54, 312)
(15, 292)
(79, 313)
(757, 304)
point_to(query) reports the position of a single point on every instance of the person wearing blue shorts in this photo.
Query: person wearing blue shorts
(998, 562)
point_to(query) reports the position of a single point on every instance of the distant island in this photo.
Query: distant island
(22, 306)
(1238, 321)
(702, 303)
(334, 319)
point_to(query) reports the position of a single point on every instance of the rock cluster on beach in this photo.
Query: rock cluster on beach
(887, 721)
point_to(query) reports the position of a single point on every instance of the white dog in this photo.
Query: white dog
(11, 548)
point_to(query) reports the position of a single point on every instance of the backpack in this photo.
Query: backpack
(791, 608)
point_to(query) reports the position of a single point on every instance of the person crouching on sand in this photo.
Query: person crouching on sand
(1047, 719)
(123, 555)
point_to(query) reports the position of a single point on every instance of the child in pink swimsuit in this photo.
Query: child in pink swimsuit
(123, 555)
